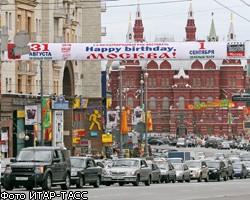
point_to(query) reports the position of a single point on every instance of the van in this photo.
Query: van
(181, 142)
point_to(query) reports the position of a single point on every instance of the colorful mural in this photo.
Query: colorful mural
(214, 104)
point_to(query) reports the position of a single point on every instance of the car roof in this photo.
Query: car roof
(45, 148)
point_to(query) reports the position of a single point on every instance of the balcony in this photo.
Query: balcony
(103, 31)
(103, 7)
(60, 12)
(27, 68)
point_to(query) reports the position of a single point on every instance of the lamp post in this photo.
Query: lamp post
(121, 68)
(41, 91)
(146, 153)
(141, 91)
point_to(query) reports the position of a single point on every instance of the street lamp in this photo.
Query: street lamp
(141, 91)
(121, 68)
(146, 153)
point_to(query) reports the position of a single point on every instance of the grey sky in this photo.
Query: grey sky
(161, 18)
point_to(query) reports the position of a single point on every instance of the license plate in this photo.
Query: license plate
(117, 177)
(21, 178)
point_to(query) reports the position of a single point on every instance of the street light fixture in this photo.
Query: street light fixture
(146, 153)
(121, 68)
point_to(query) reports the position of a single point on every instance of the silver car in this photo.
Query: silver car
(199, 170)
(127, 170)
(183, 173)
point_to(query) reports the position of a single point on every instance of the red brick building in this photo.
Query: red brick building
(172, 85)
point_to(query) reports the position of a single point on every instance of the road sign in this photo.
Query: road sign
(244, 97)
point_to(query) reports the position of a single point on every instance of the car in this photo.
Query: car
(84, 170)
(211, 143)
(247, 164)
(168, 172)
(39, 166)
(217, 170)
(4, 162)
(183, 173)
(127, 170)
(201, 155)
(156, 172)
(155, 141)
(240, 170)
(219, 155)
(248, 147)
(230, 170)
(191, 142)
(223, 145)
(199, 170)
(181, 142)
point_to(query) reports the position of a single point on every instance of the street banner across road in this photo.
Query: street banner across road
(132, 51)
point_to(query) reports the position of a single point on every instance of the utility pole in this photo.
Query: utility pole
(41, 91)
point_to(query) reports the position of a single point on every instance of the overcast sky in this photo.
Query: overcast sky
(160, 17)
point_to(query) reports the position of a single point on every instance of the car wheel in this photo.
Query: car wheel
(159, 180)
(47, 182)
(188, 180)
(8, 185)
(29, 187)
(121, 184)
(147, 183)
(200, 178)
(182, 180)
(80, 182)
(107, 184)
(136, 182)
(241, 176)
(167, 179)
(232, 176)
(218, 177)
(174, 180)
(97, 183)
(66, 185)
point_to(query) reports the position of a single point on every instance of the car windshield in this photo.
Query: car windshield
(213, 164)
(126, 163)
(247, 164)
(178, 166)
(162, 165)
(237, 166)
(193, 164)
(76, 162)
(34, 156)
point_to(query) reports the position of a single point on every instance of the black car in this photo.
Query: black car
(230, 169)
(39, 166)
(217, 170)
(211, 143)
(240, 170)
(155, 141)
(84, 170)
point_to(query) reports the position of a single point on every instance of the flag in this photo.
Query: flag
(124, 122)
(149, 121)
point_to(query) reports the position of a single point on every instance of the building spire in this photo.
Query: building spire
(138, 27)
(130, 33)
(231, 34)
(212, 35)
(190, 27)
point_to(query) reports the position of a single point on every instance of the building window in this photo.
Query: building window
(152, 103)
(234, 82)
(6, 85)
(154, 82)
(56, 87)
(10, 21)
(209, 99)
(212, 83)
(150, 82)
(165, 103)
(194, 82)
(131, 102)
(210, 130)
(181, 103)
(199, 82)
(208, 82)
(132, 82)
(167, 82)
(162, 82)
(196, 100)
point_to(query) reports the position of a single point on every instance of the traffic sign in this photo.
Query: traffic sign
(244, 97)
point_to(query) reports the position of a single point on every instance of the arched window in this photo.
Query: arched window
(165, 103)
(131, 102)
(210, 99)
(197, 100)
(181, 103)
(152, 103)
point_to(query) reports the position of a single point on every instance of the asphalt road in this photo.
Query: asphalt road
(236, 189)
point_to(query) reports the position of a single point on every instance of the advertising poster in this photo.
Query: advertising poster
(31, 114)
(58, 127)
(111, 118)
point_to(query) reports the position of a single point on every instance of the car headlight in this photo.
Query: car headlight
(74, 173)
(132, 173)
(105, 172)
(39, 170)
(7, 169)
(215, 170)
